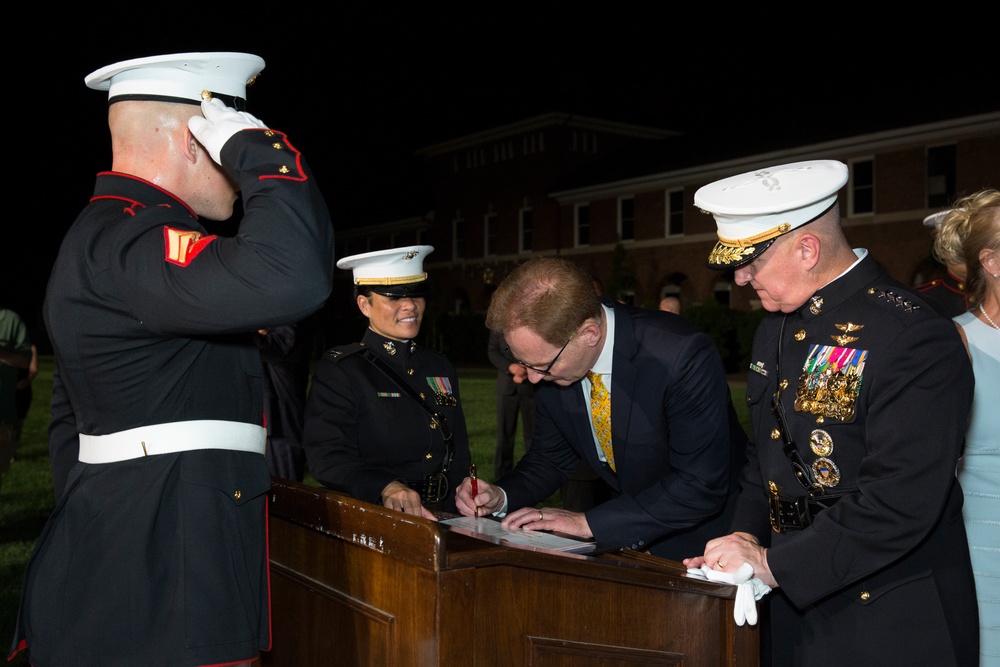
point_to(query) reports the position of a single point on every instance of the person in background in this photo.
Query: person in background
(285, 351)
(662, 433)
(972, 231)
(515, 396)
(859, 395)
(24, 394)
(156, 552)
(948, 292)
(15, 356)
(384, 418)
(671, 304)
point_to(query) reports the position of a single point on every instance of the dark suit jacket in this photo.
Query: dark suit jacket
(677, 443)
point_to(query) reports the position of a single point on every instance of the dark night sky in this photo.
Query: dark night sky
(359, 90)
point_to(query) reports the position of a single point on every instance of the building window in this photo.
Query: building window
(940, 176)
(862, 190)
(626, 219)
(458, 238)
(583, 142)
(502, 151)
(490, 234)
(526, 230)
(533, 143)
(675, 213)
(582, 224)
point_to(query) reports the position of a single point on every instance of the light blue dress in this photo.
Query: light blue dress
(979, 474)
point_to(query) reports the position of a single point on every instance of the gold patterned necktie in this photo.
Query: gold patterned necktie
(600, 412)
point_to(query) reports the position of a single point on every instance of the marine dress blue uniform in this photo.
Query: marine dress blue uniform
(364, 431)
(856, 368)
(161, 559)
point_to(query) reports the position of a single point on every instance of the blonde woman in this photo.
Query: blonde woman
(971, 234)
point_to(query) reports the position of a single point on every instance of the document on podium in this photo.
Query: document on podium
(490, 528)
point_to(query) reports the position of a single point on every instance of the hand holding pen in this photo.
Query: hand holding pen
(475, 486)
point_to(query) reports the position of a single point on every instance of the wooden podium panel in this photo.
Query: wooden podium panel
(356, 584)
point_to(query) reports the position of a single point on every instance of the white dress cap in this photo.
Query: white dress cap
(179, 77)
(392, 272)
(754, 208)
(935, 219)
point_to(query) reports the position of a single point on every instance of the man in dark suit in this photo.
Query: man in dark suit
(859, 395)
(675, 440)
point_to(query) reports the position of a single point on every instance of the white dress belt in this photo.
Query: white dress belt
(172, 437)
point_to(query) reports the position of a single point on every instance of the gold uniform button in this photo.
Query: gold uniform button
(800, 334)
(237, 494)
(865, 595)
(276, 146)
(775, 434)
(784, 384)
(428, 456)
(284, 170)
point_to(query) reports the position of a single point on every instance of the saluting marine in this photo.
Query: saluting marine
(384, 420)
(157, 550)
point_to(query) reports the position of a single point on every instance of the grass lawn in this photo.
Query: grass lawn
(26, 497)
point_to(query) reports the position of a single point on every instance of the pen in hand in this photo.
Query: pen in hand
(475, 486)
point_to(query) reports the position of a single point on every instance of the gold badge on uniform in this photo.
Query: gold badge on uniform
(821, 443)
(826, 472)
(844, 339)
(389, 346)
(830, 381)
(443, 394)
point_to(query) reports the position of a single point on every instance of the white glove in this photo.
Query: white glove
(220, 123)
(748, 589)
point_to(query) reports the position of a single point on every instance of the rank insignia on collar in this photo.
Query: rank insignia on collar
(758, 367)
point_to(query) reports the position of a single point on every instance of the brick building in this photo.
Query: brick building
(618, 199)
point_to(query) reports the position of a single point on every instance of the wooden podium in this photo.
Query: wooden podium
(356, 584)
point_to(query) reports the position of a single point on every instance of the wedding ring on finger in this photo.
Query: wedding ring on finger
(720, 564)
(541, 517)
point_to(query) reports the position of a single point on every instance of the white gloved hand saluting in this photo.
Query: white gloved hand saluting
(219, 124)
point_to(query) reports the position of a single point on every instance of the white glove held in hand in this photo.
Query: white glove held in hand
(220, 123)
(748, 589)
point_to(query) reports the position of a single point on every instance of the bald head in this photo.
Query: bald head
(143, 133)
(151, 140)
